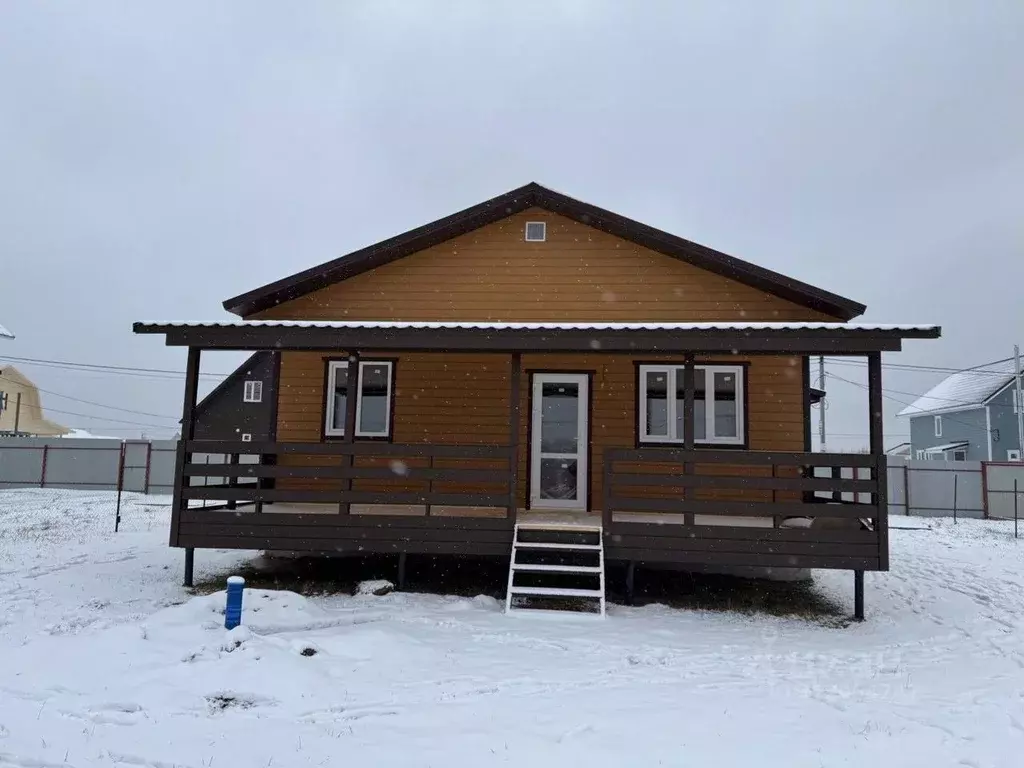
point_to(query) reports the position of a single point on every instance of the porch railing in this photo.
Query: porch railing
(410, 474)
(760, 483)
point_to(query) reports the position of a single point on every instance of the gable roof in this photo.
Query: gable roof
(254, 360)
(5, 334)
(516, 201)
(965, 389)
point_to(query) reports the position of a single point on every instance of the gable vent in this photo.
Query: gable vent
(536, 231)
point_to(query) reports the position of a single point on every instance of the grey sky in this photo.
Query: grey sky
(874, 149)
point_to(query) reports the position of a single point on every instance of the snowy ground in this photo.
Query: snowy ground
(106, 660)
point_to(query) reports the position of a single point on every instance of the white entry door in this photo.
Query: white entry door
(558, 444)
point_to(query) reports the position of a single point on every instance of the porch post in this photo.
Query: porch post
(515, 385)
(182, 455)
(880, 473)
(688, 422)
(351, 395)
(858, 595)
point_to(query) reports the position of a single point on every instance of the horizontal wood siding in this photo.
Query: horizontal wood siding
(577, 274)
(463, 399)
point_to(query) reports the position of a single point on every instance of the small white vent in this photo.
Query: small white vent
(536, 231)
(246, 437)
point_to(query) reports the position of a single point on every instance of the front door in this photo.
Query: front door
(558, 445)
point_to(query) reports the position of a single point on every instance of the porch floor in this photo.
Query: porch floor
(537, 516)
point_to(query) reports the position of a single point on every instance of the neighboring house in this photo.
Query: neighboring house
(900, 449)
(243, 406)
(535, 376)
(26, 418)
(968, 416)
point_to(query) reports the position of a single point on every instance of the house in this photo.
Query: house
(21, 410)
(243, 407)
(536, 375)
(968, 416)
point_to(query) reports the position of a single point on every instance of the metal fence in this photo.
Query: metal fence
(91, 465)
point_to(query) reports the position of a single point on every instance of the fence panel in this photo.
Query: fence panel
(21, 463)
(999, 479)
(934, 488)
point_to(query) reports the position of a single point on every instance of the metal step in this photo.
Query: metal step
(556, 592)
(560, 527)
(545, 545)
(556, 568)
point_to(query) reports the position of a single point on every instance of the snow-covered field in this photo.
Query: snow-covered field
(106, 660)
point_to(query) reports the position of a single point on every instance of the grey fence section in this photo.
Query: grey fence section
(936, 488)
(91, 465)
(999, 490)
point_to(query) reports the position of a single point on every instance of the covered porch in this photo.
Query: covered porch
(680, 502)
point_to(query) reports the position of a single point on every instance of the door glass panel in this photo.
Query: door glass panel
(373, 405)
(559, 419)
(340, 392)
(725, 405)
(656, 388)
(558, 479)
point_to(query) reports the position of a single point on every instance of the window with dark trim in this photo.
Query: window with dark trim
(253, 392)
(373, 405)
(717, 404)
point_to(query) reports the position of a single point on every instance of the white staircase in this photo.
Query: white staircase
(563, 565)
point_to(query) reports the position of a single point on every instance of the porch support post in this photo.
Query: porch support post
(190, 560)
(351, 398)
(183, 456)
(689, 376)
(401, 570)
(858, 595)
(630, 581)
(515, 395)
(880, 473)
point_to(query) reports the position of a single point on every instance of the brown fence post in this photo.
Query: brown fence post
(956, 477)
(120, 487)
(149, 462)
(906, 488)
(42, 470)
(984, 490)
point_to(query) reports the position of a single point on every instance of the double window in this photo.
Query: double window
(717, 404)
(373, 402)
(253, 391)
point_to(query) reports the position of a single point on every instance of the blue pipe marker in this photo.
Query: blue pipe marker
(233, 609)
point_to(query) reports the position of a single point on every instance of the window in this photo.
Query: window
(1013, 455)
(717, 404)
(536, 231)
(253, 391)
(1016, 400)
(938, 426)
(960, 455)
(373, 406)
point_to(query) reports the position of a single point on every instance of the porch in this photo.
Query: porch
(659, 494)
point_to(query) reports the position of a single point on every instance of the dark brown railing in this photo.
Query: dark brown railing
(757, 479)
(412, 474)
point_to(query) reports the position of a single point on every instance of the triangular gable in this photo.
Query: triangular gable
(516, 201)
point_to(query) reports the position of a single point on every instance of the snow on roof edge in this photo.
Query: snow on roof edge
(500, 326)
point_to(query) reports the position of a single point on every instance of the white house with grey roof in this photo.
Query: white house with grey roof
(970, 415)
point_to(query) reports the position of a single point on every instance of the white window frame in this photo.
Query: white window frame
(937, 421)
(333, 367)
(543, 232)
(673, 373)
(956, 451)
(253, 391)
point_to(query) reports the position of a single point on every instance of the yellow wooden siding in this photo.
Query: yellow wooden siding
(463, 399)
(578, 274)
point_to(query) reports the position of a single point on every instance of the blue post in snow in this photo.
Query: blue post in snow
(233, 609)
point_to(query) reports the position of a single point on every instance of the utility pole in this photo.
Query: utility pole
(17, 413)
(1020, 402)
(821, 405)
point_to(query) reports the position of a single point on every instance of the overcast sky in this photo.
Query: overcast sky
(157, 159)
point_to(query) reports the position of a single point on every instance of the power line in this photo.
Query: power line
(97, 418)
(978, 370)
(92, 402)
(98, 368)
